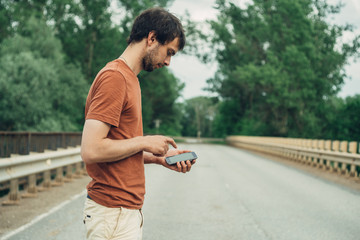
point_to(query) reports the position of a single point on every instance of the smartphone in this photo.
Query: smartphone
(181, 157)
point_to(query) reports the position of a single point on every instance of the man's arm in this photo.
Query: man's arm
(96, 147)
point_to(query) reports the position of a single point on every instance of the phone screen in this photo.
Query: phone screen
(181, 157)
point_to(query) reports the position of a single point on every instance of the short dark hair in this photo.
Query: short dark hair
(166, 26)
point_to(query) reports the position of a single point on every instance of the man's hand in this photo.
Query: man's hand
(158, 145)
(183, 166)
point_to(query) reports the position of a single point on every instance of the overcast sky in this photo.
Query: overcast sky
(191, 71)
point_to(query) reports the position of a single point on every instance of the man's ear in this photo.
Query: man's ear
(151, 39)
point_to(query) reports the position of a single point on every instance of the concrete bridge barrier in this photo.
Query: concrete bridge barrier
(341, 157)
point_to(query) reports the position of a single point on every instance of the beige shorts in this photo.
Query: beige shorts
(112, 223)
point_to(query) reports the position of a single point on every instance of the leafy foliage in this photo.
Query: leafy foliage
(341, 118)
(279, 63)
(67, 43)
(198, 116)
(160, 90)
(35, 83)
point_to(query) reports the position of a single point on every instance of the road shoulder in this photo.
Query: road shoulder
(13, 217)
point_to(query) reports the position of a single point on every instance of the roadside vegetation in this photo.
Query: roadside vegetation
(281, 66)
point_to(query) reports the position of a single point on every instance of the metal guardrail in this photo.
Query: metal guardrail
(23, 143)
(334, 156)
(62, 165)
(48, 165)
(198, 140)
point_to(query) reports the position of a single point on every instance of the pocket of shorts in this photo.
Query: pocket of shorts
(91, 210)
(93, 218)
(141, 218)
(87, 218)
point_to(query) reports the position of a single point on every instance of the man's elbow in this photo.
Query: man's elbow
(88, 156)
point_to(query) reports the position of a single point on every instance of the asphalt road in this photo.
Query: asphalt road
(229, 194)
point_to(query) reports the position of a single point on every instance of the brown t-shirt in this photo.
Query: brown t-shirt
(115, 98)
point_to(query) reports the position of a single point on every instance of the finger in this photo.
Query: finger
(184, 151)
(188, 164)
(178, 166)
(184, 167)
(171, 141)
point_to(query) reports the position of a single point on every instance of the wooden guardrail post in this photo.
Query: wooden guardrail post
(343, 148)
(314, 145)
(335, 147)
(59, 179)
(292, 155)
(78, 170)
(14, 195)
(327, 147)
(31, 188)
(47, 180)
(69, 173)
(321, 147)
(353, 149)
(307, 145)
(302, 157)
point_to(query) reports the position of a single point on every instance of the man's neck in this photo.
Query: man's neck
(133, 56)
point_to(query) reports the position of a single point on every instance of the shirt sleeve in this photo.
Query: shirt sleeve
(108, 98)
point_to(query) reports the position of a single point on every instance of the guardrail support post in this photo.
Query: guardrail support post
(328, 165)
(321, 163)
(14, 195)
(353, 149)
(31, 189)
(336, 167)
(69, 174)
(59, 180)
(314, 162)
(78, 170)
(353, 172)
(343, 169)
(301, 158)
(47, 180)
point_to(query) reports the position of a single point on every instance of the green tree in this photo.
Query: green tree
(87, 33)
(342, 118)
(160, 90)
(5, 20)
(279, 60)
(39, 90)
(85, 28)
(351, 112)
(91, 35)
(97, 40)
(198, 116)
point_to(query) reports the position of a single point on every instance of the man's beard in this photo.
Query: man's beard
(147, 61)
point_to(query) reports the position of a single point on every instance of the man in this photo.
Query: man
(113, 146)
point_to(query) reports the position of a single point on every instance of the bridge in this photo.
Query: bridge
(246, 189)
